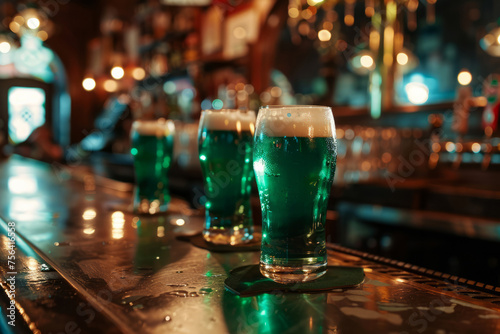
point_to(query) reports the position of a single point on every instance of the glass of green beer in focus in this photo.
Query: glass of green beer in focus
(294, 158)
(152, 148)
(225, 140)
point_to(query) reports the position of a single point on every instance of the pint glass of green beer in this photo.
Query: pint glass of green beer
(294, 158)
(152, 148)
(225, 140)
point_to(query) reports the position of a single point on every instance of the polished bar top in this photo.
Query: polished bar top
(85, 262)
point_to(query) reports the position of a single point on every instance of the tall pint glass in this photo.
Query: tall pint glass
(152, 148)
(294, 158)
(225, 142)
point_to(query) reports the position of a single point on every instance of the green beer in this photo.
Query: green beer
(152, 148)
(225, 152)
(294, 161)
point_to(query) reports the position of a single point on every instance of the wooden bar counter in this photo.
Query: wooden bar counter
(85, 264)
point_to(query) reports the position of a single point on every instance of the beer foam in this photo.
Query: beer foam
(296, 121)
(159, 127)
(229, 120)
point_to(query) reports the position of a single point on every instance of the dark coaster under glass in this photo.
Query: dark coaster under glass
(198, 241)
(248, 281)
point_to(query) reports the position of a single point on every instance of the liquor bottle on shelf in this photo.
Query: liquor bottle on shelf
(436, 122)
(460, 125)
(490, 118)
(490, 113)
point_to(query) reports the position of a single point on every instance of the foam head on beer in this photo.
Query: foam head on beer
(228, 120)
(158, 128)
(296, 121)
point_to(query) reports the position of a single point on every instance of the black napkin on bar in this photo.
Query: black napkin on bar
(247, 281)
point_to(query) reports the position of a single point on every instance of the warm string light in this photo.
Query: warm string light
(402, 58)
(366, 61)
(363, 62)
(5, 47)
(349, 20)
(307, 12)
(324, 35)
(349, 12)
(43, 35)
(138, 73)
(33, 23)
(293, 12)
(117, 72)
(464, 78)
(110, 86)
(88, 84)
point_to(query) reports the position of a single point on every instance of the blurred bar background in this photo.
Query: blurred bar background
(413, 86)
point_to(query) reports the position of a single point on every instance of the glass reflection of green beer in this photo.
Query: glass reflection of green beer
(152, 246)
(152, 148)
(278, 312)
(294, 161)
(225, 150)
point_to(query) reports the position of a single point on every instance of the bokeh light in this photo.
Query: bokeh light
(366, 61)
(117, 72)
(110, 86)
(4, 47)
(33, 23)
(88, 84)
(217, 104)
(324, 35)
(417, 92)
(402, 58)
(476, 147)
(138, 73)
(464, 78)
